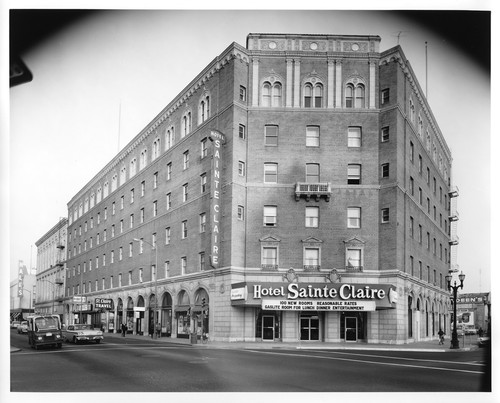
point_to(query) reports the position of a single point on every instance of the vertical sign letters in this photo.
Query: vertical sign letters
(217, 139)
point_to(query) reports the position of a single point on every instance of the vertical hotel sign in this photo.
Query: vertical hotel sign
(217, 139)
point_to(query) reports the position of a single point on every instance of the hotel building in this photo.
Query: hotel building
(297, 189)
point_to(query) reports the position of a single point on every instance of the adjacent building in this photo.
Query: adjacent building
(51, 270)
(298, 188)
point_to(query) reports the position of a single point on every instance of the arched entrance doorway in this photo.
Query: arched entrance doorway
(139, 316)
(119, 315)
(130, 315)
(200, 312)
(166, 315)
(183, 315)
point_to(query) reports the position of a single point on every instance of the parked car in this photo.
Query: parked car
(483, 341)
(82, 332)
(14, 324)
(22, 327)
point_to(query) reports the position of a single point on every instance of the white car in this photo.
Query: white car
(22, 327)
(82, 332)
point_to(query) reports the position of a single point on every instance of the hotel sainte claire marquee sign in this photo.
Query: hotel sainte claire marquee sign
(317, 297)
(218, 139)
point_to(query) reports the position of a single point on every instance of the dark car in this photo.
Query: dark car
(483, 341)
(44, 330)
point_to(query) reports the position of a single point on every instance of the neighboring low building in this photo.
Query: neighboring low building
(473, 309)
(22, 293)
(51, 270)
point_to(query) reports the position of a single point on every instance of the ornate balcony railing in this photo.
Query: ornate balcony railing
(315, 190)
(453, 192)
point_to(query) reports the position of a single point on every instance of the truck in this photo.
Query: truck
(44, 330)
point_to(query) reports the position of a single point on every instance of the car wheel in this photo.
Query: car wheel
(75, 340)
(97, 341)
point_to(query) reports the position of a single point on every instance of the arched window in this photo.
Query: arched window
(123, 175)
(313, 95)
(144, 159)
(359, 93)
(169, 138)
(133, 167)
(114, 182)
(355, 95)
(204, 109)
(155, 149)
(186, 124)
(271, 94)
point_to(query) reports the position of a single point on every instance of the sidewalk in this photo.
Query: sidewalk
(423, 346)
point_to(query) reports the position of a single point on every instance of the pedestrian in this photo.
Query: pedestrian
(151, 329)
(158, 329)
(441, 336)
(480, 332)
(124, 329)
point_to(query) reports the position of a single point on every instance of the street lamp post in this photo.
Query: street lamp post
(454, 288)
(155, 311)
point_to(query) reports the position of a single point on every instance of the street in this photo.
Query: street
(131, 365)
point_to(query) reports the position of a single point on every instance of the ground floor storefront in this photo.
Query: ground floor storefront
(233, 305)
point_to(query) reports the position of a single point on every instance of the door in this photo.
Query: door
(268, 328)
(309, 328)
(351, 329)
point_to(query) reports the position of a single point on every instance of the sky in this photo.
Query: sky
(100, 80)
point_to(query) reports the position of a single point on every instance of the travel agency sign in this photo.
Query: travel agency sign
(303, 297)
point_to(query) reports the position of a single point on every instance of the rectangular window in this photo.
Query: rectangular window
(169, 171)
(131, 221)
(203, 182)
(411, 227)
(129, 278)
(354, 137)
(241, 168)
(312, 136)
(183, 265)
(243, 94)
(269, 256)
(354, 217)
(202, 261)
(385, 170)
(242, 132)
(167, 236)
(384, 134)
(184, 230)
(412, 150)
(142, 215)
(155, 180)
(241, 213)
(353, 258)
(384, 215)
(155, 208)
(312, 217)
(270, 216)
(312, 173)
(167, 269)
(311, 258)
(185, 192)
(270, 173)
(185, 160)
(141, 275)
(131, 195)
(168, 201)
(204, 148)
(353, 174)
(384, 96)
(130, 249)
(271, 135)
(203, 222)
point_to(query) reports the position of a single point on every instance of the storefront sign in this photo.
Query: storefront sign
(218, 139)
(103, 303)
(303, 296)
(238, 293)
(317, 305)
(79, 299)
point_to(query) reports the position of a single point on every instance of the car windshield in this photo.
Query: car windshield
(46, 323)
(83, 327)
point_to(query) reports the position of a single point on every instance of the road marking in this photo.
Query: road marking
(408, 359)
(366, 361)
